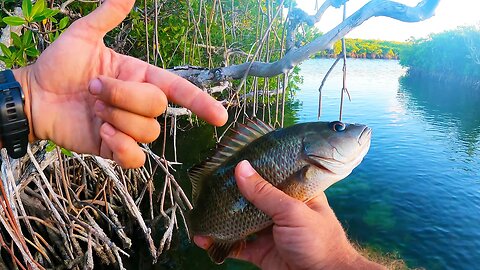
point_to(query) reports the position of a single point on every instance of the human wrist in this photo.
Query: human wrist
(22, 77)
(347, 257)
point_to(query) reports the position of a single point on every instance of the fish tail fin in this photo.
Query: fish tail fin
(219, 251)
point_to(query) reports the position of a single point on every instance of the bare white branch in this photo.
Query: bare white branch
(375, 8)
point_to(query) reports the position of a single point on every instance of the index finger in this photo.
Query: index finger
(177, 89)
(182, 92)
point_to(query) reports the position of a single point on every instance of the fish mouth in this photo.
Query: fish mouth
(329, 165)
(365, 136)
(344, 167)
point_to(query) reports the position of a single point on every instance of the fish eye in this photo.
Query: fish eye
(337, 126)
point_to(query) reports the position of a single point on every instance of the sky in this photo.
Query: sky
(448, 15)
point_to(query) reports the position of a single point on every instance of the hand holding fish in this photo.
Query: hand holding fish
(304, 236)
(88, 98)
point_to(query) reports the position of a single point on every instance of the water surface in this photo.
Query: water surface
(418, 190)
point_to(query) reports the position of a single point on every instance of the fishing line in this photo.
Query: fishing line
(323, 83)
(284, 92)
(344, 52)
(344, 71)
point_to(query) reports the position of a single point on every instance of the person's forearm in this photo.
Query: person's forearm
(364, 263)
(349, 258)
(343, 255)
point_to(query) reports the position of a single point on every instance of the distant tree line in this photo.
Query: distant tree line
(448, 56)
(366, 48)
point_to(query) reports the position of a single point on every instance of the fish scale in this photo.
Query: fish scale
(291, 159)
(271, 165)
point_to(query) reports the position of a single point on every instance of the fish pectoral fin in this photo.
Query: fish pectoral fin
(299, 184)
(299, 176)
(219, 251)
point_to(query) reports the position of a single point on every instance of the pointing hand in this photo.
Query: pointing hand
(89, 99)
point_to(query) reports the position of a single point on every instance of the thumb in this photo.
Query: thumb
(262, 194)
(108, 15)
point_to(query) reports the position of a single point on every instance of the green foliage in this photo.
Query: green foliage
(51, 146)
(450, 55)
(23, 48)
(37, 18)
(31, 13)
(366, 48)
(197, 33)
(187, 37)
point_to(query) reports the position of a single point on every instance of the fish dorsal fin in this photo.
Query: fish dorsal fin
(239, 137)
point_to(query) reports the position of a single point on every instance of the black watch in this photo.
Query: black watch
(14, 127)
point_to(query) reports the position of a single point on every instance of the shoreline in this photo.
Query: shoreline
(376, 57)
(442, 77)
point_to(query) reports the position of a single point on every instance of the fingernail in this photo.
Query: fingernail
(95, 87)
(108, 129)
(246, 170)
(99, 106)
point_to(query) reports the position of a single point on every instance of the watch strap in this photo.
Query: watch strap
(14, 128)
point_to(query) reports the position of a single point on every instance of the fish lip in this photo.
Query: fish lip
(317, 162)
(331, 160)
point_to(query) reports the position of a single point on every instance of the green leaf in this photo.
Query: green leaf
(27, 8)
(45, 14)
(27, 37)
(14, 20)
(32, 52)
(49, 12)
(66, 152)
(8, 62)
(17, 54)
(63, 23)
(13, 49)
(38, 7)
(21, 62)
(55, 36)
(16, 40)
(50, 146)
(6, 51)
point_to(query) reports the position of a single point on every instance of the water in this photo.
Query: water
(418, 190)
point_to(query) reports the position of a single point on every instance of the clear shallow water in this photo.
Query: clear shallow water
(418, 190)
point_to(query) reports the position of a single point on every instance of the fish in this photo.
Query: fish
(302, 160)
